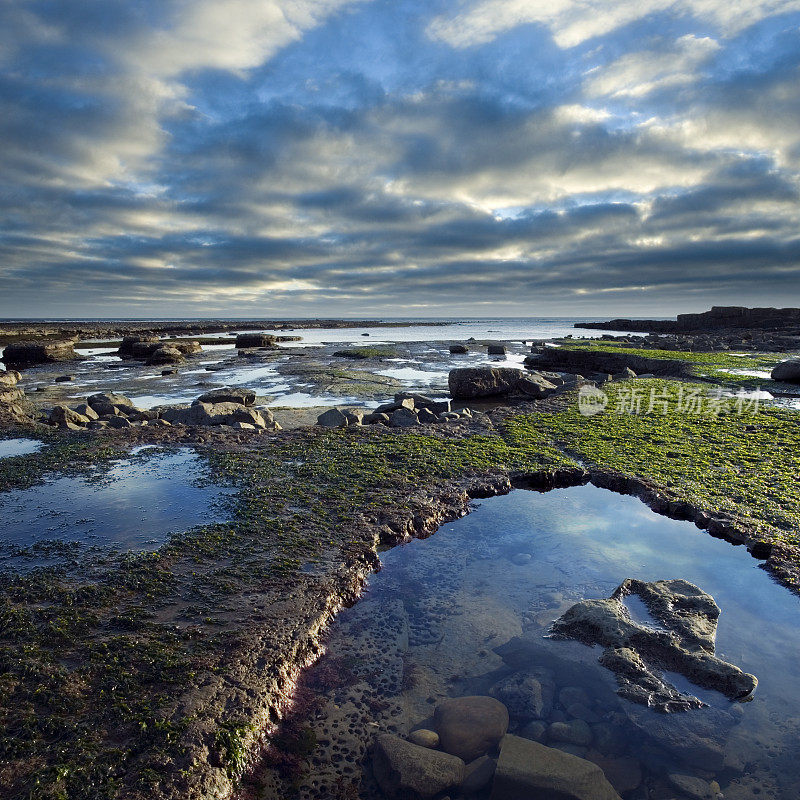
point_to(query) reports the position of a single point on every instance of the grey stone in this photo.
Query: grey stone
(459, 349)
(333, 418)
(109, 399)
(470, 727)
(496, 350)
(424, 738)
(165, 355)
(85, 410)
(527, 770)
(408, 772)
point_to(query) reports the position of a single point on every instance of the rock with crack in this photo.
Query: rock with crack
(638, 653)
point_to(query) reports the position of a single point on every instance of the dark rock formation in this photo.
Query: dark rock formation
(28, 354)
(248, 340)
(683, 642)
(788, 371)
(719, 317)
(471, 382)
(605, 361)
(236, 394)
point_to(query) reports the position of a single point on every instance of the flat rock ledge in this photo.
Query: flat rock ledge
(680, 639)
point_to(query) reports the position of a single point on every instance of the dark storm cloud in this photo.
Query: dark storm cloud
(329, 157)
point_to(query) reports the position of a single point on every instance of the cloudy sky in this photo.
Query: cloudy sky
(398, 157)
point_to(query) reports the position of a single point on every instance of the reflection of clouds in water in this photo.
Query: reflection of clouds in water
(19, 447)
(137, 504)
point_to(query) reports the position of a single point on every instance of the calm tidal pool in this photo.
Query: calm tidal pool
(460, 612)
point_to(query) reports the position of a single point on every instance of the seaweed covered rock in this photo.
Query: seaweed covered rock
(682, 640)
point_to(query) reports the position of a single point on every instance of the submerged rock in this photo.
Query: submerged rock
(470, 727)
(527, 770)
(637, 653)
(424, 738)
(407, 771)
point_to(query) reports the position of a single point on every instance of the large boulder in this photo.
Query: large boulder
(13, 405)
(471, 726)
(470, 382)
(407, 771)
(111, 404)
(527, 770)
(245, 397)
(333, 418)
(166, 354)
(788, 371)
(26, 354)
(247, 341)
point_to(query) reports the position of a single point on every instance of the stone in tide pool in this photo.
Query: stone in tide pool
(424, 738)
(408, 772)
(527, 770)
(470, 727)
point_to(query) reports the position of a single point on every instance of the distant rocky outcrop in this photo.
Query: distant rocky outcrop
(245, 341)
(28, 354)
(719, 317)
(156, 351)
(680, 639)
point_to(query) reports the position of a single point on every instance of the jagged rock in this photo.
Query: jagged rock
(85, 410)
(408, 772)
(426, 416)
(245, 397)
(65, 417)
(118, 422)
(527, 769)
(25, 354)
(249, 340)
(166, 354)
(534, 385)
(633, 651)
(395, 405)
(355, 416)
(109, 403)
(376, 418)
(470, 727)
(788, 371)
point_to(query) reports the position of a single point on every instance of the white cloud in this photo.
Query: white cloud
(572, 22)
(635, 75)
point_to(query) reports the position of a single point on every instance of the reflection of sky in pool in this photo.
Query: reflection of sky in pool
(137, 505)
(18, 447)
(461, 589)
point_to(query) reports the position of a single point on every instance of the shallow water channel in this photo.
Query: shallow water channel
(136, 504)
(459, 612)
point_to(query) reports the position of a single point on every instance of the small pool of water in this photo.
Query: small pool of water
(458, 613)
(19, 447)
(136, 505)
